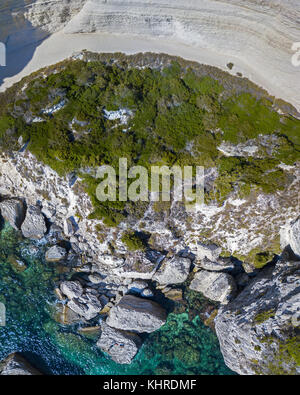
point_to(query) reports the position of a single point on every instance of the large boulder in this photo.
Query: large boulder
(88, 306)
(55, 254)
(16, 365)
(34, 226)
(13, 211)
(72, 289)
(136, 314)
(173, 271)
(259, 330)
(121, 346)
(216, 286)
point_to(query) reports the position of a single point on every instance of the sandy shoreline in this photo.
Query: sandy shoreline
(60, 46)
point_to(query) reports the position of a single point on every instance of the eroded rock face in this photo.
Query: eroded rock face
(259, 330)
(13, 211)
(219, 287)
(120, 345)
(136, 314)
(173, 271)
(15, 365)
(34, 226)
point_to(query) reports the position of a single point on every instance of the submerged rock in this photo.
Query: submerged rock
(136, 314)
(173, 271)
(216, 286)
(34, 226)
(64, 315)
(259, 330)
(16, 365)
(13, 211)
(121, 346)
(55, 254)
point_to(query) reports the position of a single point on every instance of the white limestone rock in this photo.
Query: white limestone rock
(209, 251)
(121, 346)
(87, 306)
(219, 287)
(55, 254)
(136, 314)
(34, 226)
(173, 271)
(72, 289)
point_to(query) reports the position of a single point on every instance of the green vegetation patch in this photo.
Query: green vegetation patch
(179, 117)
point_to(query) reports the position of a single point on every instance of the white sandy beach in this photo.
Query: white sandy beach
(60, 46)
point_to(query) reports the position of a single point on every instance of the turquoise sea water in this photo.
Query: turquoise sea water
(182, 346)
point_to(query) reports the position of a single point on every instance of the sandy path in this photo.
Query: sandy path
(60, 46)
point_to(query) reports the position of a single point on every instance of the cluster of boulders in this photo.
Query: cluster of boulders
(126, 316)
(120, 305)
(212, 277)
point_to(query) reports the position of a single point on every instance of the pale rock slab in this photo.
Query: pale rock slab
(72, 289)
(34, 226)
(173, 271)
(55, 254)
(136, 314)
(219, 287)
(121, 346)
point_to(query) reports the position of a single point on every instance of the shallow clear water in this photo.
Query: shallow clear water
(179, 347)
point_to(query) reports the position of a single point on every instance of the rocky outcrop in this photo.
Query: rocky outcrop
(34, 226)
(55, 254)
(136, 314)
(16, 365)
(259, 330)
(219, 287)
(173, 271)
(13, 211)
(121, 346)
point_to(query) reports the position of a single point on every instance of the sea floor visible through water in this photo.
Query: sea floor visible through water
(27, 281)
